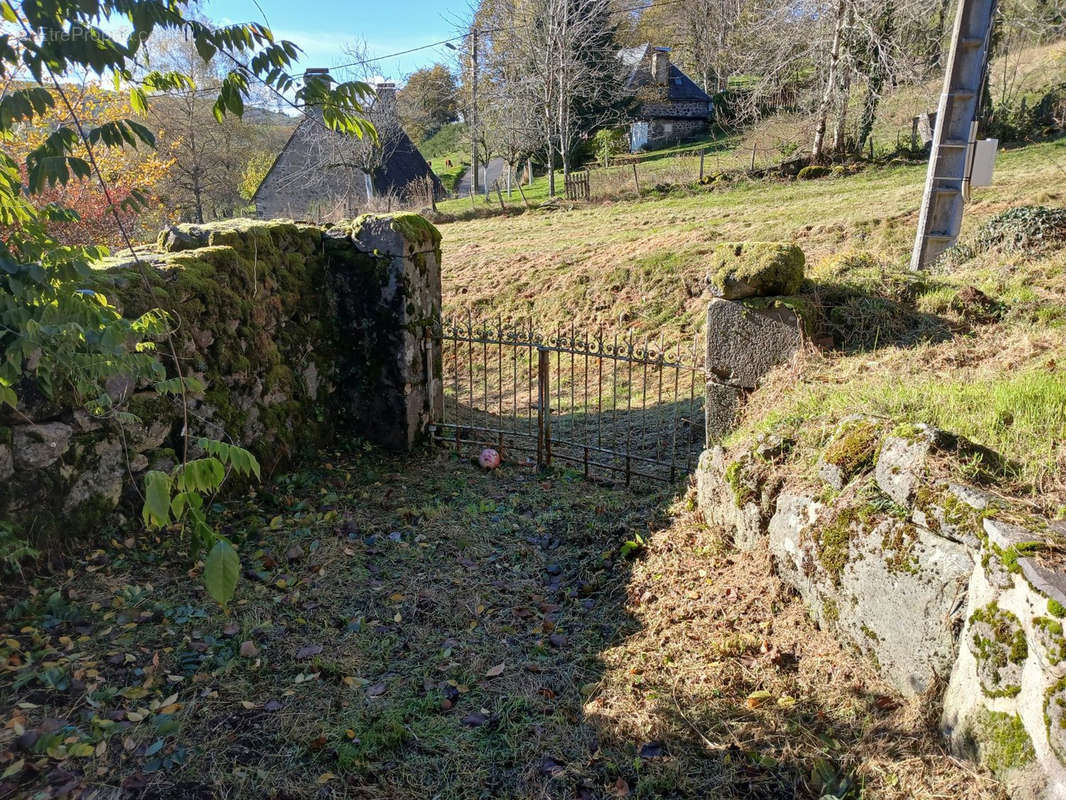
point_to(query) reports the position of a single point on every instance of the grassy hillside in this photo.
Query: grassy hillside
(1027, 73)
(907, 347)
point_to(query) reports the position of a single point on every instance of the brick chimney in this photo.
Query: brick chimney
(660, 66)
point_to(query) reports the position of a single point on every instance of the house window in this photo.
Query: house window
(668, 128)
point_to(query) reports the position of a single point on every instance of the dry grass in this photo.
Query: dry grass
(749, 699)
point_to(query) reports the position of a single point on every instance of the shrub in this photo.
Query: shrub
(609, 142)
(1016, 230)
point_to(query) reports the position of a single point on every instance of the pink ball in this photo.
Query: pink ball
(489, 458)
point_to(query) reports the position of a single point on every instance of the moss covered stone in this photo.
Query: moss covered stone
(755, 269)
(1052, 642)
(1003, 743)
(813, 171)
(998, 644)
(416, 228)
(1055, 718)
(294, 338)
(1055, 608)
(834, 538)
(743, 491)
(852, 451)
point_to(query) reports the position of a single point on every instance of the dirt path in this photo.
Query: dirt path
(487, 175)
(425, 630)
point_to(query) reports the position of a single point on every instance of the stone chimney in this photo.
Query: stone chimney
(385, 92)
(316, 72)
(660, 66)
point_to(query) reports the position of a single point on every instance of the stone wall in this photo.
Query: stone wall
(301, 335)
(953, 593)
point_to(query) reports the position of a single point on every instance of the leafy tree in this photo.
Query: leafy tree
(130, 169)
(428, 102)
(255, 169)
(57, 335)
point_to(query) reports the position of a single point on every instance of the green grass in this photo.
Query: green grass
(450, 176)
(677, 163)
(911, 348)
(450, 139)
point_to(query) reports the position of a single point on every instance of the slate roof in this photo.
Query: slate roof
(680, 86)
(404, 163)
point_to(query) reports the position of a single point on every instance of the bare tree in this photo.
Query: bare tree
(209, 158)
(832, 80)
(565, 53)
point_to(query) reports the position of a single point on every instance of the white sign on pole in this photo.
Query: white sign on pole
(984, 161)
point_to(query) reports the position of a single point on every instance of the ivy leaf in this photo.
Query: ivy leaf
(221, 570)
(156, 511)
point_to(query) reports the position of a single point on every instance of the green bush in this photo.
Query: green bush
(609, 142)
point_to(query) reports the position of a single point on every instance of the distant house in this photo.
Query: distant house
(323, 176)
(671, 106)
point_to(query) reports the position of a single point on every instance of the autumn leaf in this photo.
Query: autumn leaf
(496, 671)
(757, 699)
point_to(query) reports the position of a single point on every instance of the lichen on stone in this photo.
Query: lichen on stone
(998, 644)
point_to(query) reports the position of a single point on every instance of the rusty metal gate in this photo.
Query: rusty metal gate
(607, 407)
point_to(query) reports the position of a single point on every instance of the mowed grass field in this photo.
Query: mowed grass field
(642, 263)
(906, 349)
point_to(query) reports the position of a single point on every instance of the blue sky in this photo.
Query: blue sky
(323, 28)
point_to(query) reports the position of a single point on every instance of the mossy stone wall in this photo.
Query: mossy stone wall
(301, 335)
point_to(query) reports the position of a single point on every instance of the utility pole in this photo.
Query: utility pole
(940, 218)
(473, 111)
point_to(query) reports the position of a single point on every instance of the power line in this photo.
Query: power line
(499, 29)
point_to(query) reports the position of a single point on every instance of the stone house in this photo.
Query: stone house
(324, 176)
(671, 107)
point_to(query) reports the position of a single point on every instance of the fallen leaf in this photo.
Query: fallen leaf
(756, 699)
(376, 690)
(248, 649)
(14, 769)
(496, 671)
(620, 788)
(310, 650)
(475, 719)
(326, 777)
(552, 768)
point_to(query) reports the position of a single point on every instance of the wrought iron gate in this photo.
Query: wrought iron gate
(605, 406)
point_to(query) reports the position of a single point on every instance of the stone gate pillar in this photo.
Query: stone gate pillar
(384, 273)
